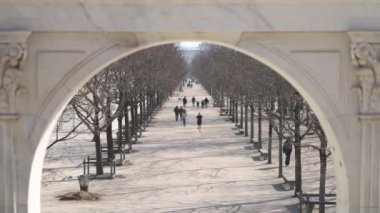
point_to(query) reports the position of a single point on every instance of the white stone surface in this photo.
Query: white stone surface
(102, 48)
(267, 30)
(196, 15)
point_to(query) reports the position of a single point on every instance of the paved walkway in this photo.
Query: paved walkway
(179, 169)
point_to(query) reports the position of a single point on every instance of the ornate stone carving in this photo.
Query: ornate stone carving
(365, 58)
(11, 57)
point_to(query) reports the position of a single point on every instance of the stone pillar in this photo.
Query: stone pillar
(12, 54)
(8, 195)
(370, 162)
(365, 58)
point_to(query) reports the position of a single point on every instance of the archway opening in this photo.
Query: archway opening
(304, 93)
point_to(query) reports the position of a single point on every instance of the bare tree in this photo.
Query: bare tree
(238, 78)
(324, 153)
(67, 116)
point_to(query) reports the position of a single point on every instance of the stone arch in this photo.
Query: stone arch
(284, 65)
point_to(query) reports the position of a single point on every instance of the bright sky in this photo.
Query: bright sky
(189, 45)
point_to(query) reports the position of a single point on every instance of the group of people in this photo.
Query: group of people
(181, 112)
(180, 89)
(204, 102)
(189, 84)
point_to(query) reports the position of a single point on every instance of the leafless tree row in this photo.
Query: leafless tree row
(129, 91)
(237, 81)
(133, 88)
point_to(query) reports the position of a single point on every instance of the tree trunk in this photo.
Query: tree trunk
(241, 112)
(98, 153)
(227, 108)
(231, 108)
(281, 107)
(220, 105)
(110, 154)
(133, 119)
(270, 133)
(236, 112)
(136, 126)
(252, 122)
(222, 99)
(150, 107)
(120, 125)
(119, 131)
(291, 106)
(144, 113)
(297, 147)
(259, 138)
(158, 99)
(307, 115)
(141, 113)
(322, 178)
(152, 104)
(126, 127)
(152, 101)
(146, 108)
(233, 111)
(98, 145)
(246, 120)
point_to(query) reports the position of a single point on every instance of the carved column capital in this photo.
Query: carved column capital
(365, 52)
(12, 55)
(365, 59)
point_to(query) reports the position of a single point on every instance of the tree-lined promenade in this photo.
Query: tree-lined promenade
(179, 169)
(128, 91)
(243, 87)
(122, 100)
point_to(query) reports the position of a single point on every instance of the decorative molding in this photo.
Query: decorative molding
(365, 59)
(11, 57)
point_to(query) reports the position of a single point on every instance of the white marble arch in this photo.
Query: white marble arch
(288, 67)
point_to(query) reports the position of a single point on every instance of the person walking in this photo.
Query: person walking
(206, 102)
(202, 104)
(287, 149)
(180, 111)
(197, 104)
(184, 115)
(184, 100)
(199, 121)
(193, 100)
(176, 112)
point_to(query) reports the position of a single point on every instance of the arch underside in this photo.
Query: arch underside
(280, 59)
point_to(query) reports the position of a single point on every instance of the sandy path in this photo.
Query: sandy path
(178, 169)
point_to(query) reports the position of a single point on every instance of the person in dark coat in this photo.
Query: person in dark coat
(199, 121)
(206, 102)
(193, 100)
(202, 104)
(180, 111)
(197, 104)
(176, 112)
(184, 100)
(184, 116)
(287, 149)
